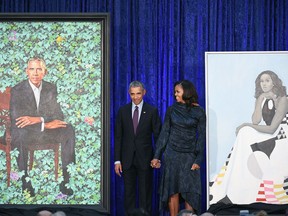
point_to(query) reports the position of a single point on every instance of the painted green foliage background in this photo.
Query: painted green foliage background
(72, 51)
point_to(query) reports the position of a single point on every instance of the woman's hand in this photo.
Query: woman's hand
(269, 95)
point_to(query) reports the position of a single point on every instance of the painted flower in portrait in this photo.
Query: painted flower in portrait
(89, 171)
(61, 196)
(59, 40)
(88, 66)
(13, 36)
(14, 176)
(89, 120)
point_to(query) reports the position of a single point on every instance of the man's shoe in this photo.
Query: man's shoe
(65, 190)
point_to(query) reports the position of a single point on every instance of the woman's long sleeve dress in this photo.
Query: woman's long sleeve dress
(182, 142)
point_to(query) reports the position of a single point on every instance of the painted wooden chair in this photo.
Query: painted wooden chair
(5, 123)
(5, 140)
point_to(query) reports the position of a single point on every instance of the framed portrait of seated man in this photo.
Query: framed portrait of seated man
(54, 92)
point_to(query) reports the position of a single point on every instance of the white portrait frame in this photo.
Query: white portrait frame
(230, 89)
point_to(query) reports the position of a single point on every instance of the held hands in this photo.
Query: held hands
(155, 163)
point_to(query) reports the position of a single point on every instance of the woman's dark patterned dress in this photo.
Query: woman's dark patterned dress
(182, 142)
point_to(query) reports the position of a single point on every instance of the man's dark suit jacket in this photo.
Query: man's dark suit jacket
(126, 142)
(23, 104)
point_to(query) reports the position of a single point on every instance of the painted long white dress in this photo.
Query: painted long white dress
(256, 170)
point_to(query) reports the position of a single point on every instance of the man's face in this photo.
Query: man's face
(35, 72)
(136, 94)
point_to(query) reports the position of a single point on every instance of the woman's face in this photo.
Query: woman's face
(178, 92)
(266, 83)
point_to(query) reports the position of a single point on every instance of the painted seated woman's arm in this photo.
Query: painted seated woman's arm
(281, 110)
(257, 114)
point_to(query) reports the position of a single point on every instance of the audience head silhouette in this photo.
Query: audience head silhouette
(186, 212)
(48, 213)
(44, 213)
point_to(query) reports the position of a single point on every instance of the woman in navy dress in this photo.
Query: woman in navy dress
(182, 142)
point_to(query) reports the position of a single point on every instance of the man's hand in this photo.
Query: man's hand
(24, 121)
(118, 169)
(155, 163)
(55, 124)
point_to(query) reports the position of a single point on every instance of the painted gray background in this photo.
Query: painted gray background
(230, 88)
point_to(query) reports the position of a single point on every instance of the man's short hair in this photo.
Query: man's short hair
(42, 62)
(136, 83)
(59, 213)
(207, 214)
(44, 213)
(185, 212)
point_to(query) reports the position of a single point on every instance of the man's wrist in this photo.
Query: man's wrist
(117, 162)
(42, 124)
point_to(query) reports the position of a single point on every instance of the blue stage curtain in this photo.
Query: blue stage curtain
(159, 42)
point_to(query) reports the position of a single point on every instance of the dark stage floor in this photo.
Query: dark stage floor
(232, 209)
(9, 211)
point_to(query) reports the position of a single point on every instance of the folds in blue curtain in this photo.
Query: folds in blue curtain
(160, 42)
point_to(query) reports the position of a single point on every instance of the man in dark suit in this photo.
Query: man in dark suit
(36, 117)
(136, 122)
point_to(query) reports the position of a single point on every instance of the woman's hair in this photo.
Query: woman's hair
(190, 95)
(278, 88)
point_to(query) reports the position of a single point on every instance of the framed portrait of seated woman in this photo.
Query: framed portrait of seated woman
(247, 128)
(68, 56)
